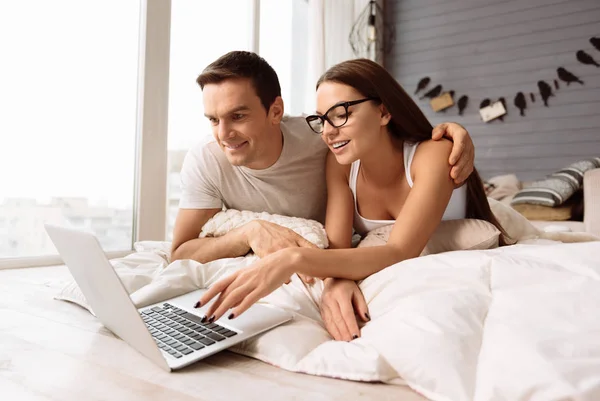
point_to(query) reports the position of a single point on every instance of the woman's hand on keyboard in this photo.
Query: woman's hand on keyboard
(245, 287)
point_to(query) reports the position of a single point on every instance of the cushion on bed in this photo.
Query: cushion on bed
(554, 190)
(574, 173)
(502, 186)
(450, 235)
(572, 209)
(545, 213)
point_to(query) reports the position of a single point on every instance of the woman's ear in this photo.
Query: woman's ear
(276, 110)
(386, 117)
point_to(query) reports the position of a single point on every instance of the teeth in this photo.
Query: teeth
(339, 144)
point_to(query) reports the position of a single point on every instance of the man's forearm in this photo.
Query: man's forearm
(205, 250)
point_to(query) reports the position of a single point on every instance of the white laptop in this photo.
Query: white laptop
(170, 333)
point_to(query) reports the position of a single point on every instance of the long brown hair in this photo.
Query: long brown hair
(408, 123)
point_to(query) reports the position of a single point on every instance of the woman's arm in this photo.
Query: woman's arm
(418, 219)
(342, 299)
(340, 204)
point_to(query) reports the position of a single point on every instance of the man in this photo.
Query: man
(260, 161)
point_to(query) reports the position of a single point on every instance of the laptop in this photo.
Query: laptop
(169, 333)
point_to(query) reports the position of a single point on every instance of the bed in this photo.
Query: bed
(517, 322)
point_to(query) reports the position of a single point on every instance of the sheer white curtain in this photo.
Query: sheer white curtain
(329, 26)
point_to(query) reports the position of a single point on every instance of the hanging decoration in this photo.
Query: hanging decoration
(442, 101)
(521, 103)
(422, 84)
(585, 58)
(545, 91)
(490, 111)
(462, 104)
(503, 101)
(567, 76)
(450, 102)
(433, 92)
(370, 35)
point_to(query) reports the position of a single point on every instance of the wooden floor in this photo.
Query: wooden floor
(54, 350)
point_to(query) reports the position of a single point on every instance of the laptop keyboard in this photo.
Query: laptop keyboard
(181, 333)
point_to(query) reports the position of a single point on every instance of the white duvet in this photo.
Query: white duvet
(515, 323)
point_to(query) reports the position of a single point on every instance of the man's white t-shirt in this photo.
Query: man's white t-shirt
(293, 186)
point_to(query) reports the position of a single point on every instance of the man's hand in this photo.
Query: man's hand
(265, 238)
(462, 157)
(342, 300)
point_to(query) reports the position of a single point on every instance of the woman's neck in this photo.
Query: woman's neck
(384, 164)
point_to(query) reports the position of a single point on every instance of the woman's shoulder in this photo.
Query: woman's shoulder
(431, 148)
(431, 156)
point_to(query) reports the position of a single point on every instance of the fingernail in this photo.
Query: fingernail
(231, 316)
(197, 305)
(367, 316)
(354, 337)
(212, 319)
(203, 320)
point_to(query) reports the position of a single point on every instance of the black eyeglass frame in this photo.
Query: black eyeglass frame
(324, 117)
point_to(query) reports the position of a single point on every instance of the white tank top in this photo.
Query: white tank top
(456, 209)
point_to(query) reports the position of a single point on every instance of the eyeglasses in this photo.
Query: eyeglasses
(336, 116)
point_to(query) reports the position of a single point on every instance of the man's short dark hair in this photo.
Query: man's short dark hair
(243, 64)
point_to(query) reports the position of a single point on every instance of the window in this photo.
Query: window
(201, 31)
(284, 44)
(68, 101)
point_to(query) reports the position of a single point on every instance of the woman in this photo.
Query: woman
(383, 168)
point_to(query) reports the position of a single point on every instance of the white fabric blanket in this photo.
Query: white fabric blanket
(518, 322)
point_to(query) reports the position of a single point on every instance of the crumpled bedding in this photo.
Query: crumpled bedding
(517, 322)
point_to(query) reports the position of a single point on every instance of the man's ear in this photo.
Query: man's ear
(276, 110)
(386, 117)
